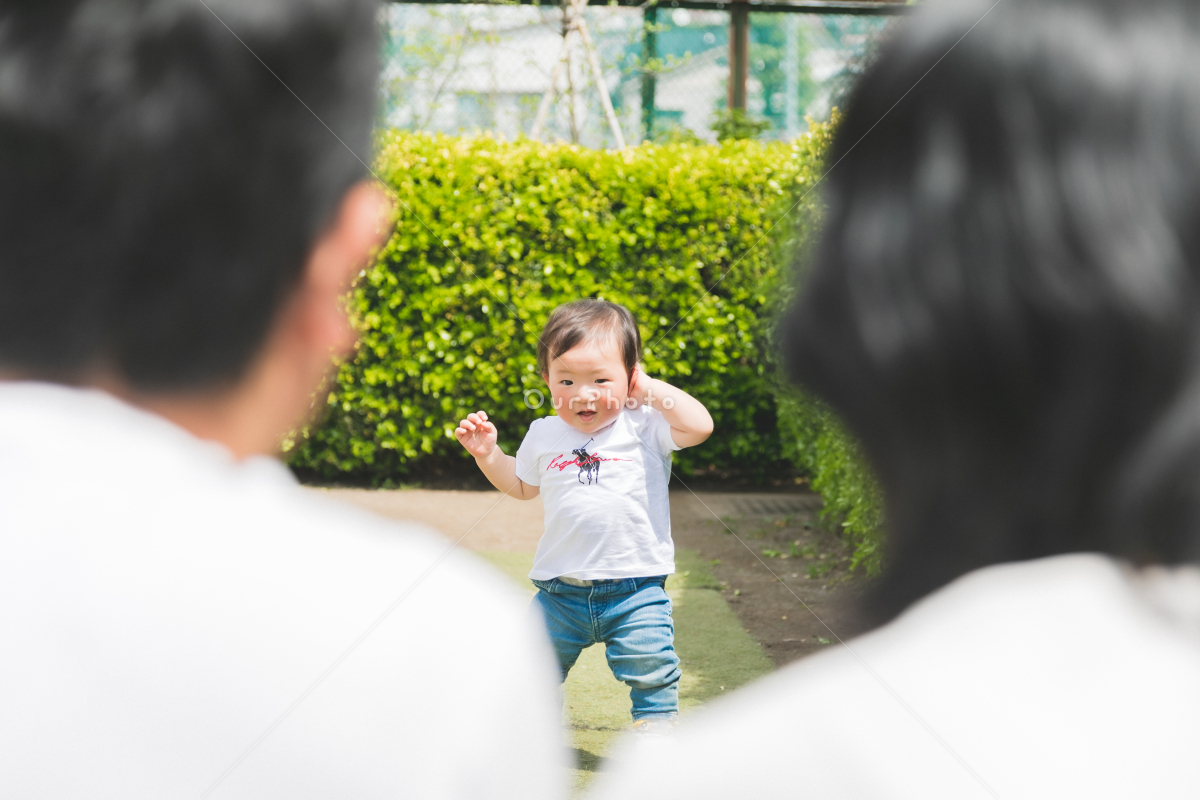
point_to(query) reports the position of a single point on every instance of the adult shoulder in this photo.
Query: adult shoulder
(178, 621)
(937, 703)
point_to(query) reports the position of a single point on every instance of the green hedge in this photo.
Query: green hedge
(816, 441)
(492, 235)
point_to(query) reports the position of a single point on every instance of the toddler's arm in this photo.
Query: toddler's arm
(479, 437)
(690, 421)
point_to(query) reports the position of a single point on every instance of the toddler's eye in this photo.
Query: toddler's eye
(603, 380)
(565, 383)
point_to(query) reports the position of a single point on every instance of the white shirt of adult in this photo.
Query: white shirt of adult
(1057, 678)
(178, 624)
(604, 495)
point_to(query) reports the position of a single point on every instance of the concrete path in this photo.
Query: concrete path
(481, 520)
(492, 521)
(738, 614)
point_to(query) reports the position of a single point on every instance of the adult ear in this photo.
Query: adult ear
(314, 328)
(361, 225)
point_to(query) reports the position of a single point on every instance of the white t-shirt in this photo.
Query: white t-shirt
(604, 494)
(1057, 678)
(173, 620)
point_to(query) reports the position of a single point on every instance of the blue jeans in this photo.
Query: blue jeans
(632, 616)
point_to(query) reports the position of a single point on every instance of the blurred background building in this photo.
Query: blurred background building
(484, 68)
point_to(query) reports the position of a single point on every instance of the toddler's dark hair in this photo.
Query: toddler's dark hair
(584, 320)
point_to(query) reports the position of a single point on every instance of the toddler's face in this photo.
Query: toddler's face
(589, 384)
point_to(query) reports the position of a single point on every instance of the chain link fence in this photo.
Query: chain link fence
(466, 69)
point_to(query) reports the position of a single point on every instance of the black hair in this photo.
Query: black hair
(160, 188)
(1003, 305)
(588, 320)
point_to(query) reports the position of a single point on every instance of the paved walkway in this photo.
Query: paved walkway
(734, 614)
(492, 521)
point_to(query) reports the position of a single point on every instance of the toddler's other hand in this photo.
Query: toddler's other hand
(477, 434)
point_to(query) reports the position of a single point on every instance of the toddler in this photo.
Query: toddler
(602, 466)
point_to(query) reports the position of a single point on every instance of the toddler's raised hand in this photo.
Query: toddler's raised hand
(639, 384)
(477, 434)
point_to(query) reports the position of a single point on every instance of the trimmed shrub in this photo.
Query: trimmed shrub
(817, 443)
(490, 236)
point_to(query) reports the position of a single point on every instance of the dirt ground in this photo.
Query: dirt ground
(784, 575)
(781, 572)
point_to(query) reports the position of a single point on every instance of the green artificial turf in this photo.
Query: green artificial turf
(717, 656)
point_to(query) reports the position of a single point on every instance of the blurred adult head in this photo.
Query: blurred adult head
(179, 180)
(1004, 303)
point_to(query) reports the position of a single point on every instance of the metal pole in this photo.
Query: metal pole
(791, 76)
(649, 78)
(869, 8)
(739, 53)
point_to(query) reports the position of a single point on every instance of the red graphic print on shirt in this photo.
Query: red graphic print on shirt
(588, 463)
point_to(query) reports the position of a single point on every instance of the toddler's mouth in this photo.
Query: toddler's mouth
(587, 415)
